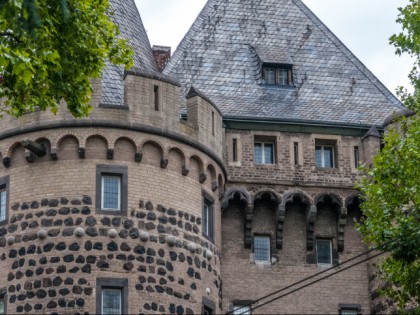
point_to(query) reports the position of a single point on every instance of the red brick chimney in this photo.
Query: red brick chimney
(162, 55)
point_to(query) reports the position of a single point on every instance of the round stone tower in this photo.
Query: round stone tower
(118, 211)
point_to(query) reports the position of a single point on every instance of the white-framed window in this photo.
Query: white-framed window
(324, 252)
(207, 218)
(111, 192)
(111, 296)
(264, 152)
(262, 248)
(111, 301)
(111, 189)
(324, 156)
(3, 204)
(241, 310)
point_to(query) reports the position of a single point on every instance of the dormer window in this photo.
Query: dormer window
(277, 74)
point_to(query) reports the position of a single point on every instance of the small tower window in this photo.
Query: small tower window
(156, 97)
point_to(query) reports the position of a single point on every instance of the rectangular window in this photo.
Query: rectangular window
(212, 123)
(350, 309)
(264, 152)
(111, 192)
(111, 296)
(324, 252)
(262, 248)
(324, 156)
(235, 150)
(356, 157)
(296, 153)
(4, 202)
(207, 217)
(241, 309)
(111, 189)
(156, 97)
(111, 301)
(276, 74)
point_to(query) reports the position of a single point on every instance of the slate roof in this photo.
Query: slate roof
(223, 51)
(126, 16)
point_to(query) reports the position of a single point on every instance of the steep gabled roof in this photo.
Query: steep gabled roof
(223, 51)
(127, 17)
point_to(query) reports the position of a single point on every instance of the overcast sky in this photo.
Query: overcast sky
(364, 26)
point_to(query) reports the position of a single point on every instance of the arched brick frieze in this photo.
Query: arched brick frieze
(147, 146)
(202, 177)
(124, 149)
(211, 171)
(241, 196)
(177, 160)
(341, 214)
(310, 209)
(97, 147)
(273, 197)
(67, 147)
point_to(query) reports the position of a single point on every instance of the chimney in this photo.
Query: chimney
(162, 55)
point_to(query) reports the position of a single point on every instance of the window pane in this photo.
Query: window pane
(111, 192)
(262, 248)
(3, 205)
(111, 301)
(282, 77)
(349, 312)
(328, 157)
(206, 219)
(240, 309)
(323, 251)
(268, 153)
(318, 156)
(270, 76)
(2, 306)
(258, 153)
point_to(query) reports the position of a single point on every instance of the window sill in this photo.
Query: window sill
(113, 106)
(278, 86)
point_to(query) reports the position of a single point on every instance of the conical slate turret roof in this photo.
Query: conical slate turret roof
(224, 50)
(127, 17)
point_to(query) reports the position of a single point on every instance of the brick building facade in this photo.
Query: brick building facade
(202, 187)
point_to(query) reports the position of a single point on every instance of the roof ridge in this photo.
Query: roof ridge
(348, 53)
(188, 36)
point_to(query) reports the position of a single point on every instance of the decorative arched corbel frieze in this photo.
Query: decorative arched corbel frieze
(341, 213)
(241, 196)
(272, 196)
(298, 196)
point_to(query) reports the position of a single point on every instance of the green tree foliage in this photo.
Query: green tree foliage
(50, 49)
(408, 42)
(391, 189)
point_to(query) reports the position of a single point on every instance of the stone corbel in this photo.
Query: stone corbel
(29, 156)
(249, 215)
(7, 161)
(110, 154)
(82, 153)
(138, 157)
(54, 153)
(310, 224)
(281, 212)
(341, 224)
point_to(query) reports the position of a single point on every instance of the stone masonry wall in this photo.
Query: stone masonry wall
(56, 245)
